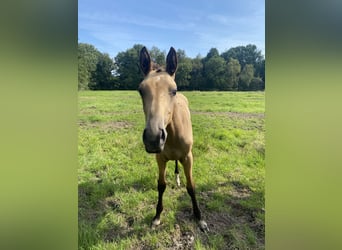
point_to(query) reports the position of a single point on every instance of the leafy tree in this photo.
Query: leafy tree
(246, 77)
(248, 55)
(183, 75)
(181, 55)
(256, 84)
(128, 70)
(215, 73)
(102, 78)
(157, 56)
(197, 80)
(234, 69)
(260, 70)
(244, 54)
(213, 52)
(239, 68)
(87, 59)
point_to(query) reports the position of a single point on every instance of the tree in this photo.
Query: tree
(213, 52)
(256, 84)
(233, 71)
(239, 68)
(197, 80)
(157, 56)
(260, 69)
(215, 73)
(244, 54)
(102, 77)
(181, 55)
(246, 77)
(128, 68)
(183, 75)
(248, 55)
(87, 59)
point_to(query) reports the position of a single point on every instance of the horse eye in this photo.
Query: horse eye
(173, 92)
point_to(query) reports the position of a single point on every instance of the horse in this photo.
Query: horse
(168, 127)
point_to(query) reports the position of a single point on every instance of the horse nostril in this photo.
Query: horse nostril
(144, 135)
(163, 135)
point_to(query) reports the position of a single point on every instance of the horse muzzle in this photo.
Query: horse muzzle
(154, 142)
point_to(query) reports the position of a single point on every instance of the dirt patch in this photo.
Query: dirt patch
(245, 115)
(228, 226)
(182, 240)
(84, 213)
(106, 126)
(231, 225)
(231, 114)
(112, 203)
(116, 232)
(219, 222)
(240, 191)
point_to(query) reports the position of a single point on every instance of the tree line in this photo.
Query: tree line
(240, 68)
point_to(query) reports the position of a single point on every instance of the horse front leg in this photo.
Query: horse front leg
(161, 189)
(190, 187)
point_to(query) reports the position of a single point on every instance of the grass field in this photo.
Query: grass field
(117, 179)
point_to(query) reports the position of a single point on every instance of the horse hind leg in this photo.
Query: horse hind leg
(177, 174)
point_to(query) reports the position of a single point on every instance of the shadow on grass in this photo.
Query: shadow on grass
(234, 214)
(97, 199)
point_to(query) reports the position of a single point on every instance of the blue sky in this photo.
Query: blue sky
(195, 26)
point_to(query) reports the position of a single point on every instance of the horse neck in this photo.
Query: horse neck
(180, 125)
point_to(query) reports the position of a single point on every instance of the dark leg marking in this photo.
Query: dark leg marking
(176, 167)
(197, 211)
(159, 209)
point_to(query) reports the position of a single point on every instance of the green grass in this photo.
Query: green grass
(117, 179)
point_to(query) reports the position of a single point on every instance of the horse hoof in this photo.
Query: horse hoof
(203, 226)
(155, 222)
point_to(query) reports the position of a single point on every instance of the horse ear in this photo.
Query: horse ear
(171, 62)
(145, 61)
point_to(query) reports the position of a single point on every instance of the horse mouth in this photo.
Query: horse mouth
(154, 149)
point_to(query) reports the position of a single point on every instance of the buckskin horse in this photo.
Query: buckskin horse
(168, 130)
